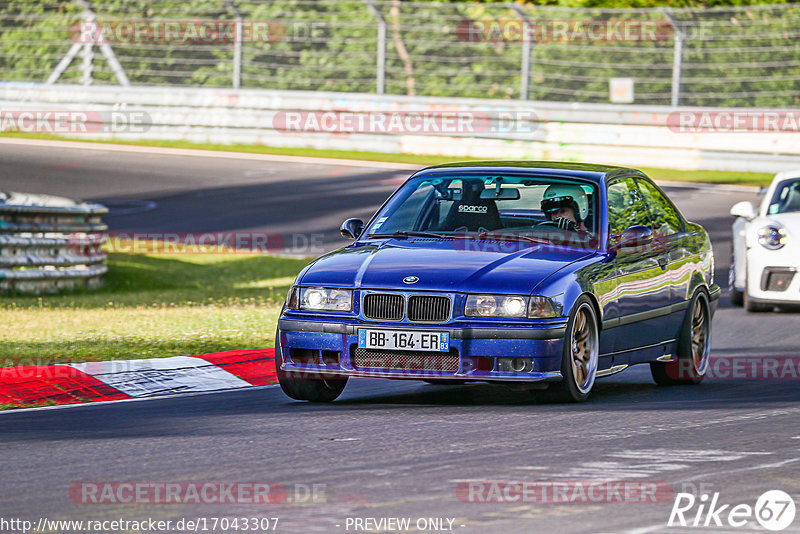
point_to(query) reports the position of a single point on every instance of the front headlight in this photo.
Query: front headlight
(326, 299)
(509, 306)
(772, 237)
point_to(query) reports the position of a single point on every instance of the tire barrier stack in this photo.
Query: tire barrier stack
(49, 244)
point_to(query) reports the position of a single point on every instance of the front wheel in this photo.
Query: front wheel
(314, 387)
(752, 306)
(737, 297)
(694, 347)
(749, 304)
(580, 356)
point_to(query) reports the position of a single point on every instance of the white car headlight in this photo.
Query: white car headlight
(510, 306)
(325, 299)
(772, 237)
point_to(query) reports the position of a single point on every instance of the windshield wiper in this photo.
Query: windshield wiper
(406, 235)
(511, 237)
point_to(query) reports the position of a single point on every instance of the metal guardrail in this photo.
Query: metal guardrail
(49, 243)
(603, 133)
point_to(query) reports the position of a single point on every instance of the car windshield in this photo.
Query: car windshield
(491, 206)
(786, 198)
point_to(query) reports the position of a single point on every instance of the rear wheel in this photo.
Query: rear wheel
(314, 387)
(580, 356)
(694, 347)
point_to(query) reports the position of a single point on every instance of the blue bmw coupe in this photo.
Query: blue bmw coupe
(544, 275)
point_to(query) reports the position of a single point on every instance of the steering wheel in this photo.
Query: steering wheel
(548, 223)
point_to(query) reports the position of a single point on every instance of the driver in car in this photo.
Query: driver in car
(567, 206)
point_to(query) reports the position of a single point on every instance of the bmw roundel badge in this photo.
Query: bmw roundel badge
(411, 279)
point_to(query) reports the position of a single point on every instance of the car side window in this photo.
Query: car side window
(666, 220)
(625, 206)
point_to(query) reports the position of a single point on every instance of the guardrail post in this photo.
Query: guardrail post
(677, 57)
(380, 76)
(527, 51)
(87, 66)
(237, 44)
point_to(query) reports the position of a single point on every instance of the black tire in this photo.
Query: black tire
(737, 297)
(444, 382)
(693, 347)
(749, 304)
(307, 386)
(754, 307)
(569, 390)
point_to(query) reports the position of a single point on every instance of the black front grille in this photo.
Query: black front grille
(384, 306)
(428, 309)
(404, 360)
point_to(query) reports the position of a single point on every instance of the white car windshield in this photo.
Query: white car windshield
(786, 197)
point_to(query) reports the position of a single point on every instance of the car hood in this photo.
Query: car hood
(791, 220)
(442, 265)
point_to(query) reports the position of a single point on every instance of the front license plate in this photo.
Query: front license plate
(400, 340)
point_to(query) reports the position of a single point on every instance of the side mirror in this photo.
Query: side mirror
(633, 237)
(352, 228)
(743, 209)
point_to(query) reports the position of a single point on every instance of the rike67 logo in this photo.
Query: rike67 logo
(774, 510)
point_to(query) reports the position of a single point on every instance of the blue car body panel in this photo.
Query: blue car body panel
(491, 267)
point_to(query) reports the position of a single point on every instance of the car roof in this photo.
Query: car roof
(589, 171)
(786, 175)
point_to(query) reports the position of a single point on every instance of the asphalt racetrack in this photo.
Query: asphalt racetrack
(392, 448)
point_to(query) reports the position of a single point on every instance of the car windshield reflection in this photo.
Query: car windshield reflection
(491, 207)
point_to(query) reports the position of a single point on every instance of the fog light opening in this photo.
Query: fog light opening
(515, 365)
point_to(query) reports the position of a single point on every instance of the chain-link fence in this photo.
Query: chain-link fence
(738, 56)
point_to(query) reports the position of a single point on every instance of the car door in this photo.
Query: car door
(669, 241)
(641, 289)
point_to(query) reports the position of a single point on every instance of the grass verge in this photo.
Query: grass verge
(718, 177)
(152, 306)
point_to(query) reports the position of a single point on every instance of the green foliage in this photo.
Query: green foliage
(152, 306)
(734, 56)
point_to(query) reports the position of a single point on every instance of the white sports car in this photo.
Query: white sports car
(766, 247)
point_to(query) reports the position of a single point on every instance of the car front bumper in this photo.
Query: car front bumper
(329, 347)
(764, 266)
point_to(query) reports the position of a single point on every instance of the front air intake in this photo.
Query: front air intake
(428, 309)
(384, 306)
